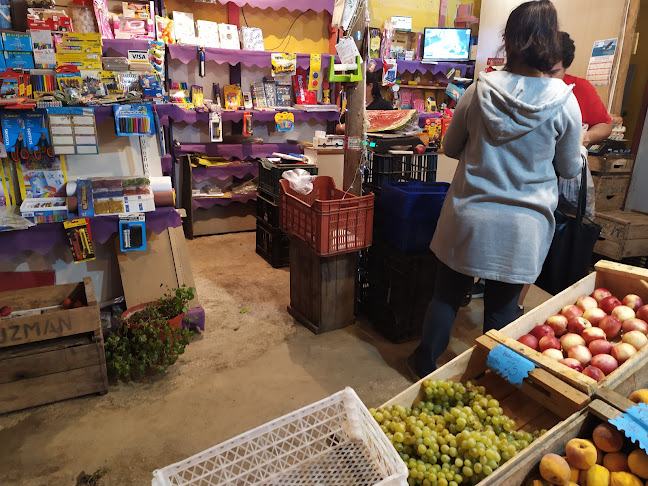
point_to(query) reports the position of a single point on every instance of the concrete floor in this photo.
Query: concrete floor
(252, 364)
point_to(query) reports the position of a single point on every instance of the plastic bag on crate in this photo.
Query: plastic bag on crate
(568, 191)
(300, 180)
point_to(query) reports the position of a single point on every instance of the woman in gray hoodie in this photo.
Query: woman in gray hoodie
(512, 131)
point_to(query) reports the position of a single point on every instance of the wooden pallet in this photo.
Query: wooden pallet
(54, 355)
(610, 191)
(617, 278)
(624, 234)
(611, 164)
(541, 403)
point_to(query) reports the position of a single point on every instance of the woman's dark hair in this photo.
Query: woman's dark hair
(568, 49)
(531, 35)
(374, 79)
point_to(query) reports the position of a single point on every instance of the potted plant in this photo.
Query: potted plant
(150, 337)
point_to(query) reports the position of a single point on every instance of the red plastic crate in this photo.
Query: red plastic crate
(328, 219)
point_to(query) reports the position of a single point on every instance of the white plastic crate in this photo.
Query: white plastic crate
(329, 443)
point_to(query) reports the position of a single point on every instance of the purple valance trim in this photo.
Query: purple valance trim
(237, 151)
(425, 67)
(167, 164)
(120, 47)
(292, 5)
(261, 59)
(222, 172)
(102, 113)
(42, 237)
(210, 202)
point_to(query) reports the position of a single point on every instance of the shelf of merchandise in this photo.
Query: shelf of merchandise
(241, 151)
(206, 202)
(423, 67)
(292, 5)
(418, 86)
(110, 47)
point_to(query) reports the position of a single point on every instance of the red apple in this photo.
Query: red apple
(572, 363)
(633, 301)
(542, 330)
(622, 352)
(581, 353)
(529, 340)
(623, 313)
(636, 338)
(604, 362)
(570, 311)
(600, 294)
(600, 346)
(548, 342)
(642, 313)
(592, 334)
(577, 325)
(558, 323)
(594, 315)
(586, 302)
(594, 373)
(570, 340)
(609, 303)
(635, 325)
(553, 353)
(611, 325)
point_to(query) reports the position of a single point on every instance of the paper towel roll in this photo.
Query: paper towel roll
(70, 188)
(164, 199)
(161, 184)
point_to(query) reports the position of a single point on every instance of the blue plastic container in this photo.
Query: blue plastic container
(408, 213)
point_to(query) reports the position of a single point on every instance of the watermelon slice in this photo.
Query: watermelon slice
(389, 120)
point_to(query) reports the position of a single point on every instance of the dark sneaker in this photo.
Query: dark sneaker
(478, 289)
(520, 312)
(466, 301)
(411, 367)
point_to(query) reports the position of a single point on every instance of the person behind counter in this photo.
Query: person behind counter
(373, 96)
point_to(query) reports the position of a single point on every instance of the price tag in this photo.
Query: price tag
(634, 424)
(639, 412)
(508, 364)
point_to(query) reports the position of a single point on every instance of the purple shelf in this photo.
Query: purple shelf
(292, 5)
(120, 47)
(261, 59)
(426, 67)
(42, 237)
(209, 202)
(222, 172)
(169, 111)
(237, 151)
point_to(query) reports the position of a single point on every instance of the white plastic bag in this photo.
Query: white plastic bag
(568, 190)
(300, 180)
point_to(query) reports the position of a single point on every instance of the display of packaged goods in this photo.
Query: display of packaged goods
(44, 210)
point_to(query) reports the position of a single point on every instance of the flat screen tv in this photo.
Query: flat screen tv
(445, 44)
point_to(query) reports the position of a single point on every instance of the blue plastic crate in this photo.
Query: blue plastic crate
(408, 213)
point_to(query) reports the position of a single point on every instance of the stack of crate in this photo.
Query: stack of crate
(271, 243)
(624, 234)
(396, 275)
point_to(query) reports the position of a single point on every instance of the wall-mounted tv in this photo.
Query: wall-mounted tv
(445, 44)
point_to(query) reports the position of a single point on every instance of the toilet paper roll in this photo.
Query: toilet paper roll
(161, 184)
(72, 204)
(70, 188)
(164, 199)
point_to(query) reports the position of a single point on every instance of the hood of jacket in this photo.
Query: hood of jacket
(513, 105)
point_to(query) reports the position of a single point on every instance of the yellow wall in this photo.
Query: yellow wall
(424, 13)
(636, 93)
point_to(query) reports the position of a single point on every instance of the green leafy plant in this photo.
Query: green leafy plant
(146, 342)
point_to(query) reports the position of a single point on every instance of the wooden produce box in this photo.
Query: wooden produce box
(611, 164)
(623, 234)
(617, 278)
(54, 355)
(610, 191)
(543, 402)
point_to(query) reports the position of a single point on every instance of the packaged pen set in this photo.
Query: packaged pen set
(134, 120)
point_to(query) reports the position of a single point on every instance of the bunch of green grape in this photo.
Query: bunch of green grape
(459, 435)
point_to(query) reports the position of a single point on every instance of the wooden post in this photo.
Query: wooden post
(626, 44)
(354, 123)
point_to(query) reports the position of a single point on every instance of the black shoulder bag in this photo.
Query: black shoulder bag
(571, 250)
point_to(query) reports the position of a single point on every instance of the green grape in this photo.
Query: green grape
(467, 471)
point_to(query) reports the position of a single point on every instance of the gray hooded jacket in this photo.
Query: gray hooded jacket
(511, 135)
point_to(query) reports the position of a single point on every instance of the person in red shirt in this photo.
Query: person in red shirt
(593, 110)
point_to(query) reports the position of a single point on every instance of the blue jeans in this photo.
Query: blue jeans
(450, 288)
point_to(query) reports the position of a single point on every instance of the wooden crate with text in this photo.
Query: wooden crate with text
(617, 278)
(623, 234)
(48, 353)
(610, 191)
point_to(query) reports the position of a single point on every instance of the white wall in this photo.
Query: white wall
(637, 194)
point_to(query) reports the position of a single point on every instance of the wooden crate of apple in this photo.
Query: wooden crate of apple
(591, 452)
(587, 333)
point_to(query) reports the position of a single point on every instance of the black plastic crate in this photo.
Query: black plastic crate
(267, 210)
(270, 175)
(394, 290)
(382, 168)
(272, 244)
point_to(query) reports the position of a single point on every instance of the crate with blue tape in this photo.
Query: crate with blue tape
(623, 373)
